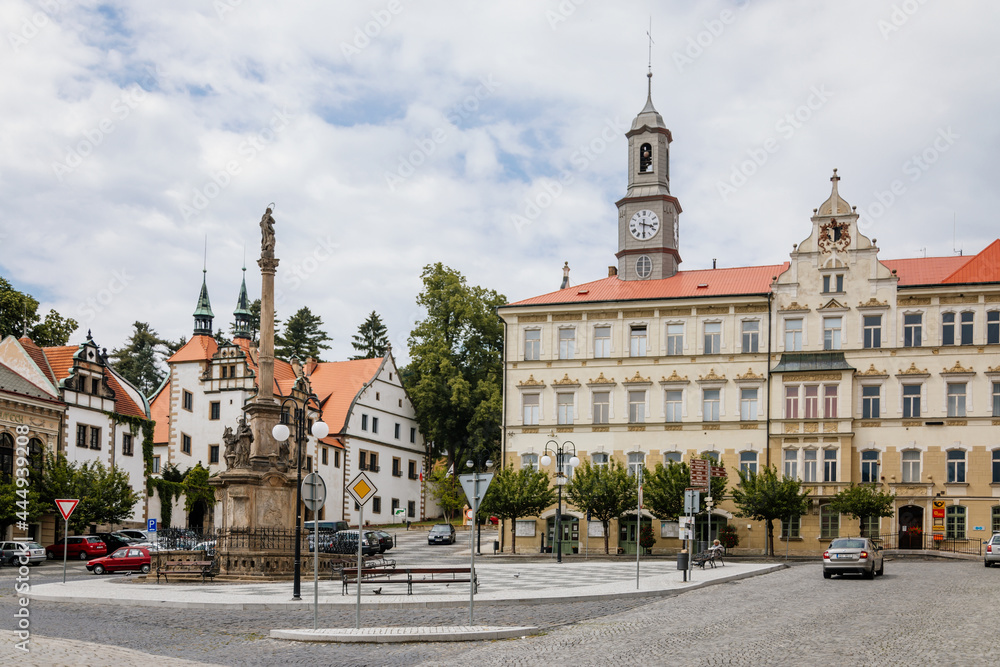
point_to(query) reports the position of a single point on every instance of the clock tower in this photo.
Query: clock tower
(648, 214)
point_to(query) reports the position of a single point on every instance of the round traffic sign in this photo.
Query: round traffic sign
(313, 491)
(469, 514)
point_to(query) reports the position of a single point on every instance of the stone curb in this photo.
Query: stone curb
(447, 633)
(349, 602)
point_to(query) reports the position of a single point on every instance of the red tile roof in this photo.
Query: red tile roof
(924, 270)
(337, 383)
(199, 348)
(38, 356)
(981, 268)
(124, 405)
(685, 284)
(159, 411)
(60, 360)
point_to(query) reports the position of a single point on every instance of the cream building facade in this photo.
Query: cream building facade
(837, 367)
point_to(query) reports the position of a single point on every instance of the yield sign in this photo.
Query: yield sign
(66, 506)
(475, 487)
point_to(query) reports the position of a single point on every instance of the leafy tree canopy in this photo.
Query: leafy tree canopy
(303, 337)
(766, 496)
(105, 494)
(863, 501)
(517, 493)
(19, 316)
(604, 492)
(372, 339)
(142, 359)
(455, 374)
(446, 492)
(663, 490)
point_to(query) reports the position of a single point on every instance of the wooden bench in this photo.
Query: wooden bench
(710, 557)
(202, 568)
(410, 576)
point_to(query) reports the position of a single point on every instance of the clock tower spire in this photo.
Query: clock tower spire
(648, 213)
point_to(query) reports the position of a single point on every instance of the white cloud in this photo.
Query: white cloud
(205, 95)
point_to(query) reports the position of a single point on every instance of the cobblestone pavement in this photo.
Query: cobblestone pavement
(919, 613)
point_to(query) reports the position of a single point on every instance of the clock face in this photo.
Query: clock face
(644, 225)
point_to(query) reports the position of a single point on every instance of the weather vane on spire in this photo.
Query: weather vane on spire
(649, 34)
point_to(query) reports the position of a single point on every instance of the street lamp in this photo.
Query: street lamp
(553, 447)
(281, 432)
(479, 526)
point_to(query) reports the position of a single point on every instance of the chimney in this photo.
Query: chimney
(565, 280)
(612, 271)
(713, 262)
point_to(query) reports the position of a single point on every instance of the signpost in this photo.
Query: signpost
(692, 503)
(361, 489)
(314, 497)
(66, 507)
(475, 486)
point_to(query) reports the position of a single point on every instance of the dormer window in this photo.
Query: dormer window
(833, 283)
(645, 159)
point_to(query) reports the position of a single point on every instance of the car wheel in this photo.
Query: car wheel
(83, 555)
(986, 563)
(870, 574)
(881, 569)
(98, 569)
(827, 575)
(145, 568)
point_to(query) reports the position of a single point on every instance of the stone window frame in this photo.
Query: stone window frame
(538, 408)
(810, 474)
(956, 522)
(569, 353)
(956, 468)
(742, 322)
(666, 337)
(632, 327)
(703, 324)
(745, 464)
(610, 338)
(903, 461)
(803, 333)
(870, 464)
(920, 327)
(963, 402)
(524, 343)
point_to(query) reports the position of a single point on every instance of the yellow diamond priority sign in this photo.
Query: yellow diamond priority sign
(361, 489)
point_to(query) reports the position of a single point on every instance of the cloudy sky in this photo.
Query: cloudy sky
(487, 136)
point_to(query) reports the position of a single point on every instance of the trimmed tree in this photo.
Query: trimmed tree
(863, 501)
(663, 490)
(517, 493)
(766, 496)
(606, 493)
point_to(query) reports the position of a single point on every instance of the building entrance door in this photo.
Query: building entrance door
(570, 533)
(628, 536)
(911, 527)
(708, 531)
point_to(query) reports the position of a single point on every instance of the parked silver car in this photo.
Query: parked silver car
(12, 552)
(857, 555)
(992, 550)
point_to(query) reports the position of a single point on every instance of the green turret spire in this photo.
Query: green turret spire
(242, 313)
(203, 313)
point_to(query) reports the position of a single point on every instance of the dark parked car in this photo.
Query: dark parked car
(385, 541)
(346, 542)
(441, 533)
(126, 559)
(13, 552)
(857, 555)
(82, 547)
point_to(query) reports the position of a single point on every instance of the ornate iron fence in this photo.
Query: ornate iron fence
(210, 541)
(908, 540)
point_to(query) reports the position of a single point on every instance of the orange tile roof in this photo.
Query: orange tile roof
(685, 284)
(124, 405)
(38, 356)
(924, 270)
(199, 348)
(60, 360)
(159, 411)
(981, 268)
(337, 383)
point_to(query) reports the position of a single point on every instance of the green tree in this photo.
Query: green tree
(663, 489)
(455, 374)
(863, 501)
(19, 316)
(196, 488)
(169, 485)
(302, 338)
(606, 493)
(105, 494)
(372, 339)
(517, 493)
(766, 496)
(446, 492)
(18, 504)
(141, 360)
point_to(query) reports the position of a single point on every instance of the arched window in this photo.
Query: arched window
(955, 522)
(6, 456)
(869, 467)
(829, 523)
(748, 462)
(529, 461)
(645, 158)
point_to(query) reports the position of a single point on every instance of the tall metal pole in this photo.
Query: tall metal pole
(66, 545)
(472, 547)
(357, 611)
(299, 444)
(638, 523)
(315, 569)
(559, 514)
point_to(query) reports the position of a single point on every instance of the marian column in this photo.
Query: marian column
(264, 411)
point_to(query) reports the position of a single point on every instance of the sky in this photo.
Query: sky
(489, 137)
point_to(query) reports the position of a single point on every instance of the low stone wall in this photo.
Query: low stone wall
(277, 565)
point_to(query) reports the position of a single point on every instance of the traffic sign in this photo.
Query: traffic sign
(313, 491)
(718, 471)
(361, 489)
(692, 501)
(469, 514)
(150, 525)
(475, 487)
(66, 506)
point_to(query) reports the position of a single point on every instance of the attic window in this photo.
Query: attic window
(583, 291)
(703, 286)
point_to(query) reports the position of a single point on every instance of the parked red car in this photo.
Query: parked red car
(83, 547)
(126, 559)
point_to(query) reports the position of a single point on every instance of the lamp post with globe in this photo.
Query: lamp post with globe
(561, 451)
(281, 432)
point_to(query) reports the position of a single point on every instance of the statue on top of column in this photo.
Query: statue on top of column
(267, 234)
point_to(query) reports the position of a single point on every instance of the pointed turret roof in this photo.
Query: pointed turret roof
(204, 304)
(649, 116)
(243, 302)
